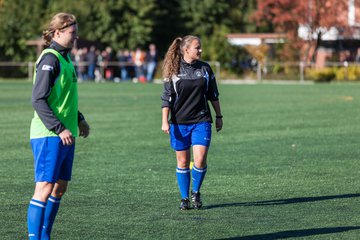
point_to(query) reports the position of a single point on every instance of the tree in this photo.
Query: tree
(119, 24)
(212, 20)
(317, 17)
(168, 24)
(128, 23)
(19, 22)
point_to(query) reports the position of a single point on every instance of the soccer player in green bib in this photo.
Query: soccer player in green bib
(56, 124)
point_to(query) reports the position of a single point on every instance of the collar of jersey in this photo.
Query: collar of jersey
(188, 64)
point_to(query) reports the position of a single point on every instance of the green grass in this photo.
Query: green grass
(286, 165)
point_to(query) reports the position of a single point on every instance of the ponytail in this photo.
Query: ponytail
(171, 65)
(172, 60)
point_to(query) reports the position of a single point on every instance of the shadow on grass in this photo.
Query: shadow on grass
(283, 201)
(295, 233)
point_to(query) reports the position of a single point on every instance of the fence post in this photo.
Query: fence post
(346, 65)
(258, 72)
(30, 70)
(301, 71)
(217, 65)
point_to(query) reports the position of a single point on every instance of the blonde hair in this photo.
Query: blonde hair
(58, 22)
(171, 65)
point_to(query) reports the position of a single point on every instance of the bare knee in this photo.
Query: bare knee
(200, 163)
(183, 159)
(43, 191)
(183, 163)
(59, 192)
(59, 189)
(200, 155)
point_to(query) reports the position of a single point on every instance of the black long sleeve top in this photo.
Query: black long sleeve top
(188, 93)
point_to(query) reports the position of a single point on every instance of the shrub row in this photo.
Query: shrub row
(351, 73)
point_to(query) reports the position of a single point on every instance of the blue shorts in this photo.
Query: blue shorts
(183, 136)
(52, 160)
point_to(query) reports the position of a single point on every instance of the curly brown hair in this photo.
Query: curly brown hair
(173, 56)
(58, 22)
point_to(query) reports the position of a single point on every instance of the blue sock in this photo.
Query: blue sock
(198, 175)
(183, 178)
(52, 208)
(35, 218)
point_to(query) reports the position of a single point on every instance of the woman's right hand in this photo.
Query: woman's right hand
(67, 137)
(165, 127)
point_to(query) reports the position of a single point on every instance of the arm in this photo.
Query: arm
(217, 109)
(166, 102)
(84, 127)
(47, 71)
(165, 127)
(213, 96)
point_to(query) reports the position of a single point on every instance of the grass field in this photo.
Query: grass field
(285, 166)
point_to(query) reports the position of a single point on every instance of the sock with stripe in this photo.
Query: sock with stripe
(52, 207)
(35, 218)
(183, 179)
(198, 175)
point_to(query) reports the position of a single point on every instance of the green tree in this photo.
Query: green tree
(129, 23)
(19, 22)
(169, 24)
(212, 20)
(119, 24)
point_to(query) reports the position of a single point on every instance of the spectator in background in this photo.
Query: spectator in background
(139, 60)
(125, 61)
(99, 65)
(108, 57)
(73, 57)
(151, 62)
(80, 55)
(91, 59)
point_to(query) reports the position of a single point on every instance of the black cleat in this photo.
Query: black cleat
(185, 204)
(196, 200)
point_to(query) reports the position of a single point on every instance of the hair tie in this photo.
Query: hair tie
(67, 25)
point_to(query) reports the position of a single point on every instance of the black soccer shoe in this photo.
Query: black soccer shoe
(196, 200)
(185, 204)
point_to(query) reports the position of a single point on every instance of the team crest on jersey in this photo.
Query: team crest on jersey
(198, 73)
(47, 68)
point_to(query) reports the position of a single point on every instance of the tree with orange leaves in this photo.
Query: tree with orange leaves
(305, 22)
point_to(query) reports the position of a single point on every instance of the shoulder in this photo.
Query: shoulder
(48, 62)
(49, 59)
(203, 65)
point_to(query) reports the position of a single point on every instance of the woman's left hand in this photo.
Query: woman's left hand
(84, 128)
(218, 124)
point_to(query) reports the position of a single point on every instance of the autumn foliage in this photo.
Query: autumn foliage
(317, 16)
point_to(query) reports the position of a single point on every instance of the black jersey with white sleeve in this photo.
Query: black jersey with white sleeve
(188, 93)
